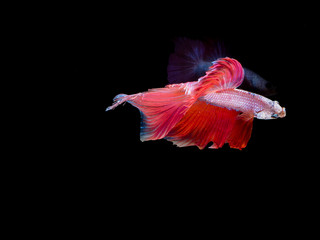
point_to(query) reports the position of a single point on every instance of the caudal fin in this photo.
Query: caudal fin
(117, 100)
(160, 108)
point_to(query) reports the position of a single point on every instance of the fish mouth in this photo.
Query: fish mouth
(283, 113)
(279, 115)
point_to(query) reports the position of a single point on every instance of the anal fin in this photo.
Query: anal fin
(203, 123)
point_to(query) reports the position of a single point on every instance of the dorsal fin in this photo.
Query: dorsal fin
(225, 73)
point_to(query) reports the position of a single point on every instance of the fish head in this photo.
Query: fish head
(275, 111)
(278, 111)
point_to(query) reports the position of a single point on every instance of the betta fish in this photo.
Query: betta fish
(209, 110)
(192, 58)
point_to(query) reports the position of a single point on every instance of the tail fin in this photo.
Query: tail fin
(192, 58)
(117, 100)
(161, 109)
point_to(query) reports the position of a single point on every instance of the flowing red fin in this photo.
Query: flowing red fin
(203, 123)
(161, 109)
(241, 131)
(225, 73)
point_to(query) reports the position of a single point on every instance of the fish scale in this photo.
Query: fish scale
(237, 99)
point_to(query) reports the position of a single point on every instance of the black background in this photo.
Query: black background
(110, 50)
(110, 175)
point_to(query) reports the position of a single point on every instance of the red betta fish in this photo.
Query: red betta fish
(211, 109)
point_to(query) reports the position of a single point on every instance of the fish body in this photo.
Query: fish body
(211, 109)
(245, 102)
